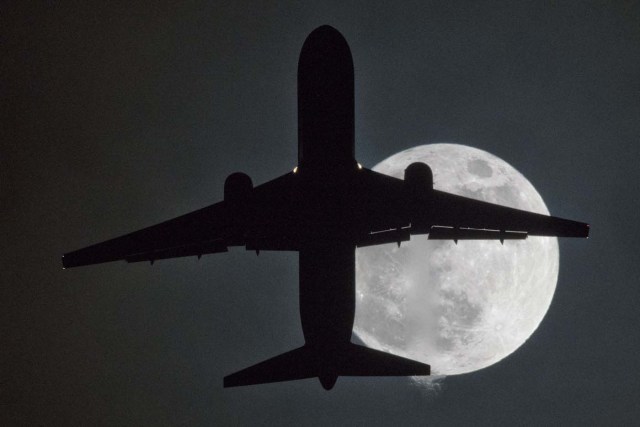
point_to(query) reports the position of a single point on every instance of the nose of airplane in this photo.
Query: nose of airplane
(325, 99)
(326, 53)
(325, 38)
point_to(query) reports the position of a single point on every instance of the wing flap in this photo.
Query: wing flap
(452, 233)
(198, 250)
(382, 237)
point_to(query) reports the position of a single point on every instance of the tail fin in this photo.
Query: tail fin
(306, 362)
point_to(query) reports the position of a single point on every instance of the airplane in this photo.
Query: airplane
(324, 209)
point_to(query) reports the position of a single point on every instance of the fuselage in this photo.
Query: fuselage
(326, 165)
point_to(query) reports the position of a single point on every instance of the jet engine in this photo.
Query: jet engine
(418, 178)
(237, 187)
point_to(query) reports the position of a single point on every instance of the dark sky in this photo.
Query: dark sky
(116, 116)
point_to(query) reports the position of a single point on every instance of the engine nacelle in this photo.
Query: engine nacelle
(418, 178)
(237, 187)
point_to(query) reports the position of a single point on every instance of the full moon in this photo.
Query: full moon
(460, 307)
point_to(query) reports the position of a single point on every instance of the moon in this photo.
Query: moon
(459, 308)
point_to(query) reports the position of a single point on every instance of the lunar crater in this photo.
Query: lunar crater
(479, 168)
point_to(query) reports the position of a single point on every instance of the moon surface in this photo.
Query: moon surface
(460, 307)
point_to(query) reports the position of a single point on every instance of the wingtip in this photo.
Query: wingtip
(67, 262)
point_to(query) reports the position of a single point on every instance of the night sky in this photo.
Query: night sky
(116, 116)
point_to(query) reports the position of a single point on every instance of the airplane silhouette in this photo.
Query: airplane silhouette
(323, 209)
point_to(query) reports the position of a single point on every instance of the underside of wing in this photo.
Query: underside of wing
(196, 233)
(482, 218)
(256, 220)
(402, 212)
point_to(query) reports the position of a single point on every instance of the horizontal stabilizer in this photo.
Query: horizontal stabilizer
(364, 361)
(294, 365)
(306, 362)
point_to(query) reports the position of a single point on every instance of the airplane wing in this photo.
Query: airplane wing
(444, 215)
(255, 221)
(450, 210)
